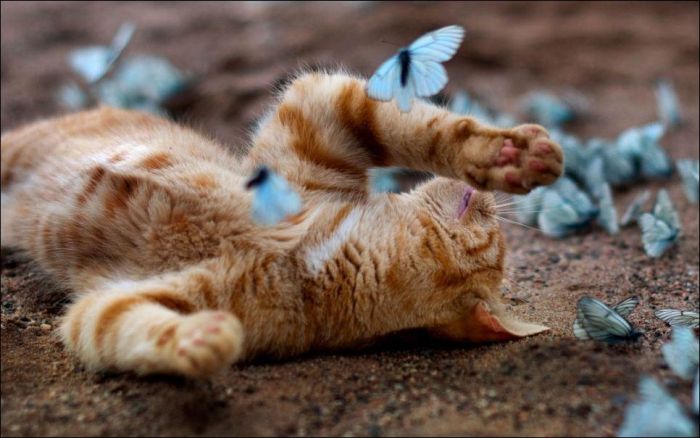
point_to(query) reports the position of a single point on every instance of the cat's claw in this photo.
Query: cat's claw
(206, 342)
(527, 158)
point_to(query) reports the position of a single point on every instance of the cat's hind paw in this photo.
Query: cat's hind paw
(527, 158)
(206, 342)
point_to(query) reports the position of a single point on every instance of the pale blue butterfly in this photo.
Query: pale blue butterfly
(660, 228)
(558, 210)
(595, 320)
(689, 175)
(674, 317)
(93, 63)
(619, 167)
(274, 199)
(635, 208)
(149, 79)
(415, 71)
(565, 209)
(607, 216)
(667, 103)
(656, 414)
(641, 145)
(682, 353)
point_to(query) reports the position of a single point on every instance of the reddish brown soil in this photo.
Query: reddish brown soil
(546, 385)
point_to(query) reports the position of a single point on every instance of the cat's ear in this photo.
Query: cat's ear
(482, 324)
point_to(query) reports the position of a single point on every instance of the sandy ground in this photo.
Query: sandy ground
(546, 385)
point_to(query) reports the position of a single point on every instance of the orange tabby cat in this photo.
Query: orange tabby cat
(150, 224)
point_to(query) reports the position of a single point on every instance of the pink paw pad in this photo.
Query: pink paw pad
(537, 166)
(514, 179)
(509, 154)
(543, 148)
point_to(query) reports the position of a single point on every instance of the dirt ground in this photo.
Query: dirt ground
(546, 385)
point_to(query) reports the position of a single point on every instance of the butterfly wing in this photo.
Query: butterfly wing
(663, 210)
(681, 354)
(404, 95)
(437, 46)
(557, 218)
(428, 77)
(274, 200)
(635, 208)
(657, 236)
(607, 217)
(579, 331)
(625, 307)
(528, 207)
(688, 169)
(382, 84)
(667, 103)
(601, 323)
(91, 62)
(676, 317)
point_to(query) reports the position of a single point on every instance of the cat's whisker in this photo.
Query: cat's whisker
(515, 222)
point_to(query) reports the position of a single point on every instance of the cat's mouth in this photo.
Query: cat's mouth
(464, 204)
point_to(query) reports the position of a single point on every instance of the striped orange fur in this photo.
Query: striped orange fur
(149, 223)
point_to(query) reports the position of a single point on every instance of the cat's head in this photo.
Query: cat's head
(464, 238)
(461, 234)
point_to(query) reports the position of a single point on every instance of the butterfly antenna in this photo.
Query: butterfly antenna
(389, 42)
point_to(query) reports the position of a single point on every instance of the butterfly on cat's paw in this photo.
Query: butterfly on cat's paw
(595, 320)
(274, 199)
(416, 70)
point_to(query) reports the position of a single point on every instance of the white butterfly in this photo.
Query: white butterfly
(595, 320)
(681, 354)
(415, 71)
(656, 414)
(661, 228)
(674, 317)
(274, 199)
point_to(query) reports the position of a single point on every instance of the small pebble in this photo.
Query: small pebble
(45, 327)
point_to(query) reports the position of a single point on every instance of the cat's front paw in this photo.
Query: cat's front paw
(526, 159)
(205, 342)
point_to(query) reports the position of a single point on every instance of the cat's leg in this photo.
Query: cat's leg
(161, 325)
(329, 123)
